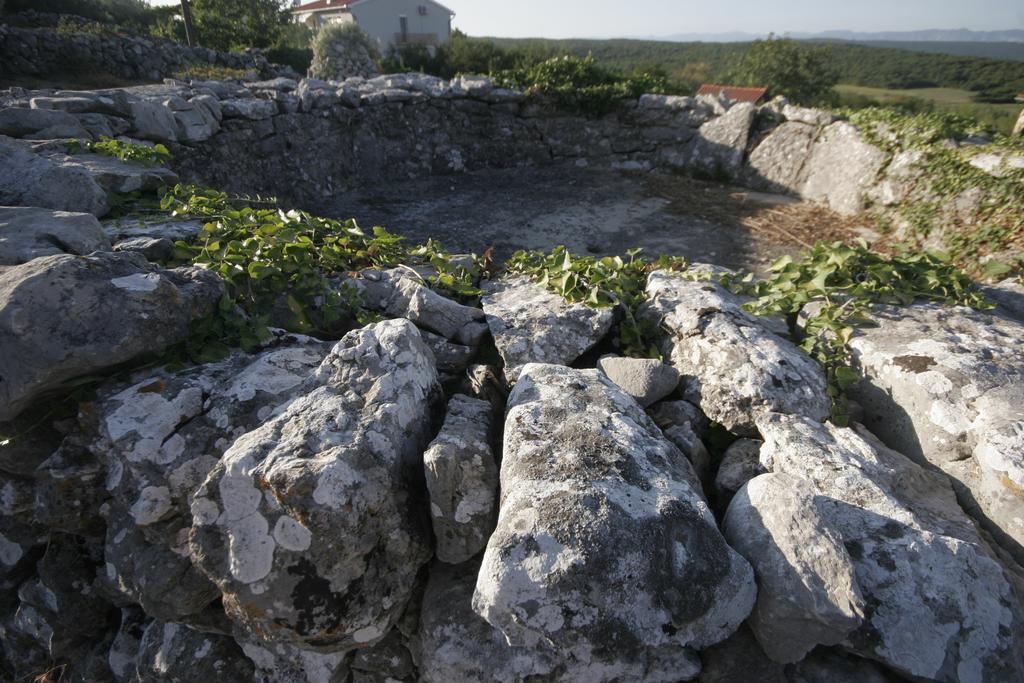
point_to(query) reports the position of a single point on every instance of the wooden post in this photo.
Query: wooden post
(190, 31)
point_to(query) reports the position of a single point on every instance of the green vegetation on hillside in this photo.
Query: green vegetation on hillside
(991, 50)
(998, 117)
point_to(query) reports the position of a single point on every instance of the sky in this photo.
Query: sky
(615, 18)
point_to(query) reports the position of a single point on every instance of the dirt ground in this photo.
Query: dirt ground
(594, 211)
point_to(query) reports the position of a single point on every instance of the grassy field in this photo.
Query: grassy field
(1000, 116)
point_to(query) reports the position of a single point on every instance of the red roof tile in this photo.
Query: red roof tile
(733, 92)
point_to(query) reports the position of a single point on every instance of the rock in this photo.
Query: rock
(1008, 296)
(472, 86)
(153, 248)
(153, 121)
(1018, 128)
(532, 325)
(124, 649)
(683, 424)
(28, 179)
(812, 117)
(739, 658)
(400, 295)
(807, 593)
(78, 104)
(19, 122)
(603, 547)
(160, 228)
(740, 463)
(280, 83)
(779, 162)
(841, 168)
(458, 645)
(59, 612)
(645, 379)
(718, 150)
(308, 524)
(910, 543)
(450, 358)
(462, 478)
(198, 119)
(174, 653)
(254, 110)
(286, 663)
(997, 165)
(65, 316)
(732, 366)
(388, 661)
(27, 233)
(114, 175)
(945, 386)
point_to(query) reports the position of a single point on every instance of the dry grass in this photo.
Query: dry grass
(796, 223)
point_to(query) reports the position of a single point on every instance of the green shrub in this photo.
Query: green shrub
(581, 84)
(351, 34)
(125, 151)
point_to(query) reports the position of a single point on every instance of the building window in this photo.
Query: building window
(403, 23)
(422, 10)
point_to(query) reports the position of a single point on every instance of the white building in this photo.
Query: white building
(388, 22)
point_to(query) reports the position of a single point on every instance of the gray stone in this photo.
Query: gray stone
(66, 316)
(174, 653)
(997, 165)
(807, 594)
(279, 662)
(719, 147)
(153, 248)
(19, 122)
(159, 437)
(740, 463)
(251, 109)
(910, 544)
(945, 386)
(732, 366)
(28, 233)
(450, 358)
(400, 294)
(603, 547)
(645, 379)
(1008, 296)
(308, 524)
(532, 325)
(28, 179)
(100, 125)
(153, 228)
(280, 83)
(114, 175)
(778, 163)
(1018, 128)
(153, 121)
(841, 169)
(197, 121)
(458, 645)
(462, 478)
(812, 117)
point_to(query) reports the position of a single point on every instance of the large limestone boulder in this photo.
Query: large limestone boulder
(937, 604)
(807, 592)
(532, 325)
(778, 163)
(159, 437)
(732, 365)
(28, 179)
(114, 175)
(1018, 128)
(462, 478)
(842, 167)
(719, 147)
(604, 547)
(28, 232)
(945, 386)
(65, 316)
(309, 525)
(22, 122)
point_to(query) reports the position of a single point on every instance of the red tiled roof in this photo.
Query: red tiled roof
(323, 4)
(733, 92)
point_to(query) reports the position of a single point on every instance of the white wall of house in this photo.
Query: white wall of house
(427, 23)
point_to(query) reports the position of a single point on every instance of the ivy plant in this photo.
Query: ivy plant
(125, 151)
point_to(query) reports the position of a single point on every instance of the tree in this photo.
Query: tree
(801, 73)
(238, 24)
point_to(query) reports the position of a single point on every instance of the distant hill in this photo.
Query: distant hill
(856, 63)
(991, 50)
(956, 35)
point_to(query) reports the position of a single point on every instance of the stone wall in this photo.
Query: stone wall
(43, 52)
